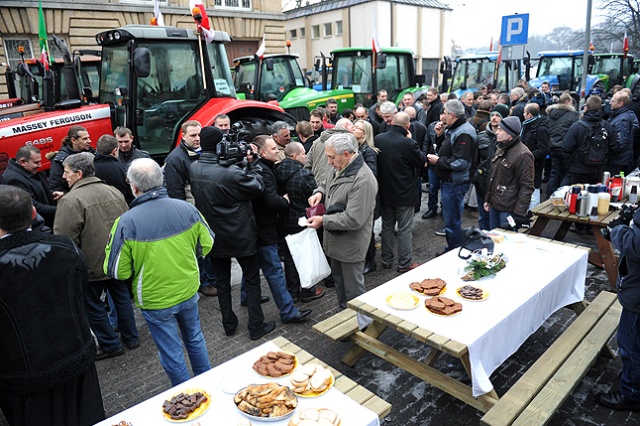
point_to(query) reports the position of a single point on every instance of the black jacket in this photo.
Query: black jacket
(535, 136)
(560, 117)
(268, 205)
(223, 195)
(433, 114)
(114, 173)
(36, 185)
(45, 333)
(399, 161)
(127, 157)
(577, 135)
(176, 172)
(418, 132)
(298, 183)
(626, 239)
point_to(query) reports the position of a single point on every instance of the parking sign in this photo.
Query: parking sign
(515, 30)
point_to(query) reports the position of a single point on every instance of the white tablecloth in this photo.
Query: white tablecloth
(230, 377)
(539, 279)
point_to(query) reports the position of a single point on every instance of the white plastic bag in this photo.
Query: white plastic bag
(308, 257)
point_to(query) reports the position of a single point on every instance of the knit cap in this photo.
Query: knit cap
(511, 125)
(210, 136)
(501, 109)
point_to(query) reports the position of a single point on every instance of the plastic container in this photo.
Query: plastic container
(603, 203)
(633, 194)
(593, 197)
(594, 213)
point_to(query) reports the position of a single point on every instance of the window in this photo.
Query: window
(11, 50)
(338, 28)
(328, 29)
(293, 34)
(315, 31)
(240, 4)
(303, 32)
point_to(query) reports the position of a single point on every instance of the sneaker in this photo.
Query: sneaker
(314, 295)
(441, 232)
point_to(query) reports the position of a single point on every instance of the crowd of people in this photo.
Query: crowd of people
(110, 225)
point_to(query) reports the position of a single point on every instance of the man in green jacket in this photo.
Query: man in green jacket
(158, 243)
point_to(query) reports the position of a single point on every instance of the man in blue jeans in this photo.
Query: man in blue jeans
(266, 208)
(158, 242)
(453, 162)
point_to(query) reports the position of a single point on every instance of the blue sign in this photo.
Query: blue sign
(515, 30)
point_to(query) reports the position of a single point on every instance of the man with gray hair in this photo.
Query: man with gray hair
(282, 136)
(157, 244)
(349, 195)
(453, 163)
(86, 215)
(387, 111)
(518, 99)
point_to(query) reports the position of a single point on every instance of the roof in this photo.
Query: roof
(325, 6)
(368, 50)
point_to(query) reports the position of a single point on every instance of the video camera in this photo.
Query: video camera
(626, 215)
(232, 148)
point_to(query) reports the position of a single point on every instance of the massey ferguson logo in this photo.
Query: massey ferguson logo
(52, 121)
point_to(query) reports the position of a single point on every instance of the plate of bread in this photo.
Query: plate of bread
(269, 402)
(275, 364)
(186, 405)
(311, 380)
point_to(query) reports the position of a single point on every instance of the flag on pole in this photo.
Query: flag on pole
(201, 18)
(157, 15)
(42, 37)
(261, 49)
(625, 44)
(499, 60)
(591, 46)
(491, 45)
(375, 44)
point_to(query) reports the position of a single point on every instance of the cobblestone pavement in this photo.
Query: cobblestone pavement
(136, 376)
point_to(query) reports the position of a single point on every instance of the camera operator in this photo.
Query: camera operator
(626, 238)
(223, 187)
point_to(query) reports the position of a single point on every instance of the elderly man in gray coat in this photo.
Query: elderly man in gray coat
(349, 194)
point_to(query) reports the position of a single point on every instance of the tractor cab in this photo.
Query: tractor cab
(563, 70)
(482, 69)
(268, 79)
(615, 66)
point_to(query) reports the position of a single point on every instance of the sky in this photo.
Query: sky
(481, 19)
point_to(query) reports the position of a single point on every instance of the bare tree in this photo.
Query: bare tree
(620, 15)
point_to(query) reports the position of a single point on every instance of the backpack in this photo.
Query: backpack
(594, 149)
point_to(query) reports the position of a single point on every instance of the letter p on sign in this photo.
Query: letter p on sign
(515, 30)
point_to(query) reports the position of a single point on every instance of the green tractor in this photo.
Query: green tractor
(615, 66)
(356, 69)
(278, 78)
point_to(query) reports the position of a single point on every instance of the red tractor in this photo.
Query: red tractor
(152, 79)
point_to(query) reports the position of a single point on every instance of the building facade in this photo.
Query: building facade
(419, 25)
(77, 23)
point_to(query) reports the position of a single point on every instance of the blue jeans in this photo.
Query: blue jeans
(434, 187)
(97, 315)
(269, 262)
(484, 222)
(163, 326)
(498, 218)
(629, 345)
(452, 195)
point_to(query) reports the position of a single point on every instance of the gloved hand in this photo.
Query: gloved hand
(618, 221)
(520, 220)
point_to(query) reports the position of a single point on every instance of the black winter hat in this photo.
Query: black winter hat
(210, 136)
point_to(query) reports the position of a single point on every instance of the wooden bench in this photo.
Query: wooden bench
(358, 393)
(540, 392)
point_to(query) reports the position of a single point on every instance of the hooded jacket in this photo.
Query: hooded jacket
(535, 136)
(577, 135)
(625, 125)
(560, 117)
(627, 239)
(316, 157)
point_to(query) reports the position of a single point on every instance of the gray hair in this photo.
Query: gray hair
(518, 91)
(341, 143)
(277, 126)
(388, 107)
(345, 123)
(25, 152)
(455, 107)
(145, 174)
(82, 161)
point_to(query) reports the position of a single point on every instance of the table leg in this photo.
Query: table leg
(428, 374)
(352, 356)
(538, 226)
(609, 259)
(432, 357)
(562, 231)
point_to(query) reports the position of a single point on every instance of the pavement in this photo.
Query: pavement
(136, 376)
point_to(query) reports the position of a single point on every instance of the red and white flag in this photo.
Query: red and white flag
(491, 45)
(159, 20)
(375, 44)
(625, 44)
(261, 49)
(201, 18)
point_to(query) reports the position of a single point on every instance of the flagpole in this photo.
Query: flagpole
(585, 57)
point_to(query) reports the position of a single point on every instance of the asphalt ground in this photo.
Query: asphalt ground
(136, 376)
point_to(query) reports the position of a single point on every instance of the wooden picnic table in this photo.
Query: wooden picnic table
(486, 333)
(603, 257)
